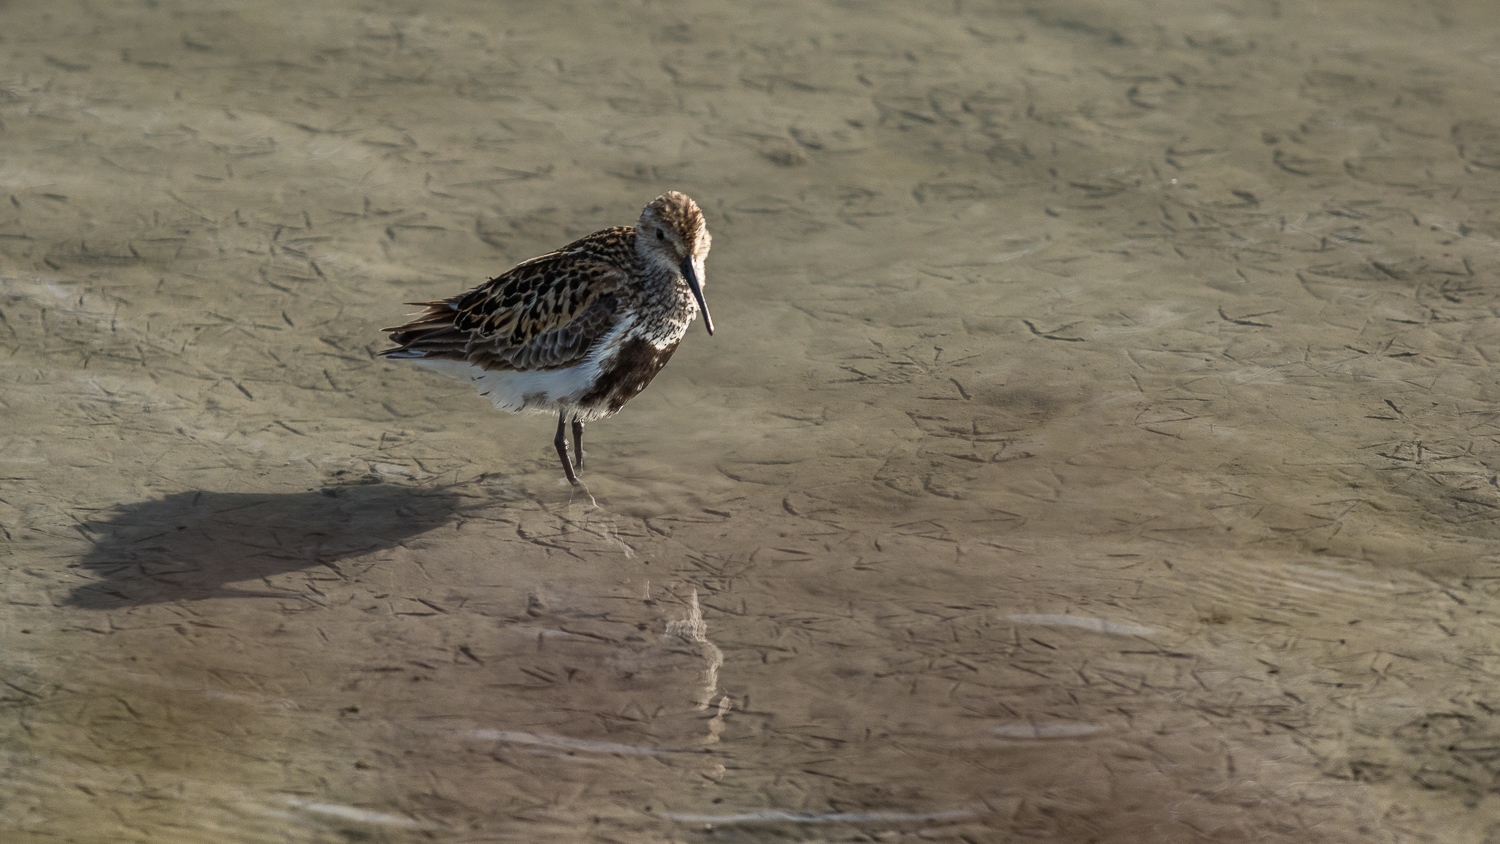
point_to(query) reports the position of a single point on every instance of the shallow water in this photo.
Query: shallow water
(1098, 442)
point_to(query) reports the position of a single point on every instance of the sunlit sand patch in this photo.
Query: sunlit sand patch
(42, 788)
(67, 297)
(1255, 375)
(1307, 586)
(325, 149)
(1149, 318)
(1044, 731)
(1002, 257)
(395, 470)
(547, 632)
(781, 816)
(1329, 579)
(565, 743)
(1082, 622)
(141, 680)
(354, 813)
(269, 702)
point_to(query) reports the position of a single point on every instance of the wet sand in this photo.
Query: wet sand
(1098, 443)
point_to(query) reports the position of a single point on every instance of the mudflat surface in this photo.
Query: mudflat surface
(1099, 442)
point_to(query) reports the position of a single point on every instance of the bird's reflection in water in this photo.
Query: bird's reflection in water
(583, 515)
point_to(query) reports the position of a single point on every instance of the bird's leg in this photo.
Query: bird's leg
(577, 442)
(561, 442)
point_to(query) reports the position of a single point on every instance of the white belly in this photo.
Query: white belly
(541, 391)
(523, 392)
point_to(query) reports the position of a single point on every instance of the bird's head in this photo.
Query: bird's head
(671, 232)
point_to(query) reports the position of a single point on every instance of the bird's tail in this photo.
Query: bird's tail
(431, 333)
(402, 354)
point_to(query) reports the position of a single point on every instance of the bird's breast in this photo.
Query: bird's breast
(625, 374)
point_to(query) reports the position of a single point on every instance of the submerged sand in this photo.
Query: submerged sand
(1098, 444)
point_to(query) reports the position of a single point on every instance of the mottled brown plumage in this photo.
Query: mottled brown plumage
(579, 331)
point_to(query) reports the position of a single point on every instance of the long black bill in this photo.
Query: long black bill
(692, 279)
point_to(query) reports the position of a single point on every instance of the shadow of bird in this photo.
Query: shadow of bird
(193, 545)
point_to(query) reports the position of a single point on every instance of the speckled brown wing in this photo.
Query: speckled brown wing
(545, 313)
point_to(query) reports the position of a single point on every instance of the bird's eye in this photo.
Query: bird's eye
(661, 235)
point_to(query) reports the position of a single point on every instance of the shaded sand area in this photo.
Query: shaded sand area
(1098, 444)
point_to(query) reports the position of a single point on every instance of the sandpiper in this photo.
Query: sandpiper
(577, 332)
